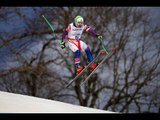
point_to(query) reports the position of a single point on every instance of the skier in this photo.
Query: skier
(73, 32)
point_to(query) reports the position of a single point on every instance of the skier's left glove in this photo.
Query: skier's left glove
(62, 44)
(99, 36)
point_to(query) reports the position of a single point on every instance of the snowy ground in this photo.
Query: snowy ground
(17, 103)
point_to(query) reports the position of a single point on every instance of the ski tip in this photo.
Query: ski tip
(102, 52)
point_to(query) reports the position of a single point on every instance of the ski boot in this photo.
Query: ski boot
(93, 66)
(79, 69)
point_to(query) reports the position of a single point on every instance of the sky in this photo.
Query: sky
(155, 14)
(19, 26)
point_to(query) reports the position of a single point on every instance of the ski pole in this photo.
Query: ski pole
(50, 26)
(103, 46)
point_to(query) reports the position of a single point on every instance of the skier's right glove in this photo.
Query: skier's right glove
(99, 36)
(62, 44)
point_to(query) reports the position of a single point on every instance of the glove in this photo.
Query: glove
(99, 36)
(62, 44)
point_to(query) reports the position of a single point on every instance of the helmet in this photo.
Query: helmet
(78, 19)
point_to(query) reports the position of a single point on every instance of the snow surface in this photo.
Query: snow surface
(18, 103)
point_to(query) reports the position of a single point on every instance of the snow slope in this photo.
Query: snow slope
(18, 103)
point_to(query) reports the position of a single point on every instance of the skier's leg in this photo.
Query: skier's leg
(89, 55)
(77, 57)
(79, 68)
(75, 49)
(90, 59)
(85, 48)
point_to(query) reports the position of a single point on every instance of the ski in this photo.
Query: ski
(78, 75)
(100, 63)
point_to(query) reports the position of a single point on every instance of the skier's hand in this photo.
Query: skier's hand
(62, 44)
(99, 36)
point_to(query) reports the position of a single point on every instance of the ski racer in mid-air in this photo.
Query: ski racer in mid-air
(73, 32)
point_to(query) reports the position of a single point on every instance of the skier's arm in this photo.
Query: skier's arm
(93, 32)
(65, 32)
(89, 30)
(64, 35)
